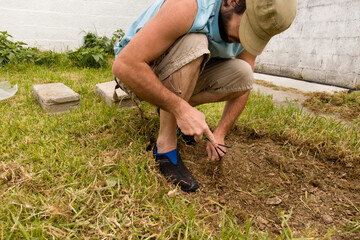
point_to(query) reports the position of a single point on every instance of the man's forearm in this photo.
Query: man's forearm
(232, 110)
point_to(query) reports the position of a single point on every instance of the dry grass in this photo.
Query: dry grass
(343, 104)
(85, 174)
(276, 87)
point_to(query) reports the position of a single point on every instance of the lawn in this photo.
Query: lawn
(86, 174)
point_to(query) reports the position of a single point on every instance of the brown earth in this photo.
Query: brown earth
(259, 177)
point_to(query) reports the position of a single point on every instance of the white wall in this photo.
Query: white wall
(60, 25)
(323, 44)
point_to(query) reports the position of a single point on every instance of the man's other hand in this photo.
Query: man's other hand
(214, 153)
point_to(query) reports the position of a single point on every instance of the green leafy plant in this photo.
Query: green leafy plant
(96, 50)
(117, 36)
(93, 54)
(94, 57)
(16, 52)
(9, 50)
(49, 58)
(92, 40)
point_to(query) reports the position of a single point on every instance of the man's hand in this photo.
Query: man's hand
(232, 110)
(213, 153)
(192, 122)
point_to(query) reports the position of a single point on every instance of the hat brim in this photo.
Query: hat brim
(248, 38)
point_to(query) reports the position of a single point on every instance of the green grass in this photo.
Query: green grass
(85, 174)
(326, 137)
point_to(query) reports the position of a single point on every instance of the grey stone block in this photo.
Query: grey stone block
(56, 97)
(106, 91)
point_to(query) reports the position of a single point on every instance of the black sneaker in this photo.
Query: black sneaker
(176, 173)
(188, 139)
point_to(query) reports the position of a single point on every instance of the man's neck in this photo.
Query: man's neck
(221, 24)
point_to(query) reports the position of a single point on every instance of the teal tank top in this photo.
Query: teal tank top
(206, 22)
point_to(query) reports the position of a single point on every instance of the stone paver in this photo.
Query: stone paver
(106, 91)
(297, 84)
(56, 97)
(279, 96)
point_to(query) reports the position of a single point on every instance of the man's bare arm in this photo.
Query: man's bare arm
(173, 20)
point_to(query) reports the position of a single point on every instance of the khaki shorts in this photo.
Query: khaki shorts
(216, 75)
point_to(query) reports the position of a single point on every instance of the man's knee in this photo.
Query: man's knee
(241, 71)
(237, 77)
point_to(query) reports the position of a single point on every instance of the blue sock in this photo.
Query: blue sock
(172, 155)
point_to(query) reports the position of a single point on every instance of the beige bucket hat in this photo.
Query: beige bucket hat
(264, 19)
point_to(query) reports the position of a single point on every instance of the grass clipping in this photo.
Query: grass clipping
(345, 105)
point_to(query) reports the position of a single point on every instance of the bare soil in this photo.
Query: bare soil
(260, 176)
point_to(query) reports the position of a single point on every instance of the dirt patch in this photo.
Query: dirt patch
(344, 105)
(260, 177)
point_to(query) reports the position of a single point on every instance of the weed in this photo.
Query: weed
(299, 75)
(286, 230)
(15, 52)
(92, 40)
(117, 36)
(352, 226)
(261, 68)
(8, 49)
(94, 57)
(94, 53)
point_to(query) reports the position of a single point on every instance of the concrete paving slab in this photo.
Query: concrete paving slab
(297, 84)
(56, 97)
(106, 91)
(279, 96)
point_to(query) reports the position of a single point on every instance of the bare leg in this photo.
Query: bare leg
(181, 83)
